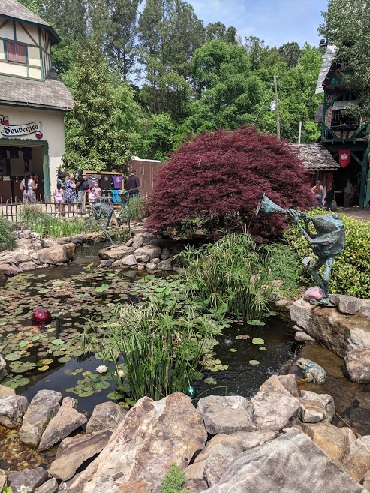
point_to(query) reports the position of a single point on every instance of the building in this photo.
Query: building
(32, 102)
(343, 134)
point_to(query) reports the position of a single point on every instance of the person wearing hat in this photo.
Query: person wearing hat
(133, 184)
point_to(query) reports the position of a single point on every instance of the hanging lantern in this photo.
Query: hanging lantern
(41, 316)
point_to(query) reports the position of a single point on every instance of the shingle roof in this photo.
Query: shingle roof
(15, 10)
(48, 94)
(327, 60)
(315, 157)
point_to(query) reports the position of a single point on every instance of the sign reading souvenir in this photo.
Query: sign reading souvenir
(25, 129)
(4, 120)
(344, 158)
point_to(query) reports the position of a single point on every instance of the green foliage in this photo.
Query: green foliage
(284, 266)
(350, 274)
(133, 210)
(230, 271)
(46, 225)
(173, 481)
(161, 342)
(7, 235)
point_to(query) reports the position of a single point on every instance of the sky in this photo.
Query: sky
(275, 21)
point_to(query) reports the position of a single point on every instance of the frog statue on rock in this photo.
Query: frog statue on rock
(312, 371)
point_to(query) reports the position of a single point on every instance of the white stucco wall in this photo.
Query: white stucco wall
(52, 129)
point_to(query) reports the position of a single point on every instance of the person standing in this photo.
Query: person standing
(318, 191)
(28, 188)
(133, 184)
(348, 193)
(59, 199)
(329, 198)
(81, 186)
(70, 195)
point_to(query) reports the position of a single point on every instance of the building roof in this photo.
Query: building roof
(48, 94)
(327, 60)
(11, 9)
(315, 157)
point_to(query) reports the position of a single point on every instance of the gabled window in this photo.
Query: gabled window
(16, 52)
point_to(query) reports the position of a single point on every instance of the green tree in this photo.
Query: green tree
(33, 5)
(96, 136)
(290, 52)
(347, 27)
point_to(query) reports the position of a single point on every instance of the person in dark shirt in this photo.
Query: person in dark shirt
(133, 184)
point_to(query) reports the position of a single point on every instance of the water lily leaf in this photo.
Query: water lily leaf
(77, 371)
(243, 336)
(64, 359)
(43, 362)
(102, 385)
(257, 340)
(57, 342)
(262, 348)
(232, 350)
(102, 288)
(256, 322)
(43, 368)
(13, 356)
(115, 396)
(210, 381)
(253, 362)
(24, 343)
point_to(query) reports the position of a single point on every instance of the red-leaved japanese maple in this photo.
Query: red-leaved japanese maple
(223, 175)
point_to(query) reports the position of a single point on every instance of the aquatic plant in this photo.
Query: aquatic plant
(231, 271)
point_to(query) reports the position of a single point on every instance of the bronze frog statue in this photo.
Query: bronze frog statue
(312, 371)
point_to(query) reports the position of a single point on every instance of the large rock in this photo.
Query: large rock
(74, 451)
(12, 409)
(29, 478)
(153, 436)
(273, 406)
(340, 333)
(358, 460)
(349, 305)
(226, 414)
(9, 270)
(67, 420)
(4, 390)
(335, 442)
(129, 261)
(115, 253)
(57, 254)
(43, 407)
(105, 416)
(291, 463)
(51, 486)
(146, 253)
(316, 407)
(357, 365)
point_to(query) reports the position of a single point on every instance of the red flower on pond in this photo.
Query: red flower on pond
(41, 316)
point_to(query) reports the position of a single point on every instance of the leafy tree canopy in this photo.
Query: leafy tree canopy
(220, 178)
(347, 27)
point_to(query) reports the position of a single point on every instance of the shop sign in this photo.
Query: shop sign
(344, 158)
(25, 129)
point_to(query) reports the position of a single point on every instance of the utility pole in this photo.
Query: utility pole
(299, 132)
(277, 108)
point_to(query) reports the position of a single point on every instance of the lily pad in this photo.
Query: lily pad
(253, 362)
(257, 340)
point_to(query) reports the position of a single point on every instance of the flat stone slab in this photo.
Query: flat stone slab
(29, 478)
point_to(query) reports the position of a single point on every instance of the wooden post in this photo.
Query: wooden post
(299, 132)
(277, 108)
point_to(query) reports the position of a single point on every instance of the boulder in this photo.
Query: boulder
(349, 305)
(291, 463)
(303, 337)
(289, 382)
(357, 365)
(316, 407)
(357, 463)
(274, 407)
(9, 270)
(74, 451)
(105, 416)
(115, 253)
(165, 254)
(146, 253)
(129, 261)
(313, 293)
(226, 414)
(51, 486)
(43, 407)
(60, 426)
(29, 478)
(12, 409)
(165, 265)
(57, 254)
(4, 390)
(333, 441)
(153, 436)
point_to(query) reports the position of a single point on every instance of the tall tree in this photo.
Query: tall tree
(96, 136)
(33, 5)
(290, 52)
(347, 27)
(114, 28)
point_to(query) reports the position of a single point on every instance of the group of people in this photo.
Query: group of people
(29, 186)
(71, 190)
(327, 201)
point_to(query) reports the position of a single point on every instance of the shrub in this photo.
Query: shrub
(350, 273)
(7, 235)
(173, 481)
(221, 176)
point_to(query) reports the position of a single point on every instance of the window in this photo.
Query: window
(16, 52)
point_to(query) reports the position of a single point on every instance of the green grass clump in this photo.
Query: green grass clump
(350, 274)
(173, 481)
(7, 235)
